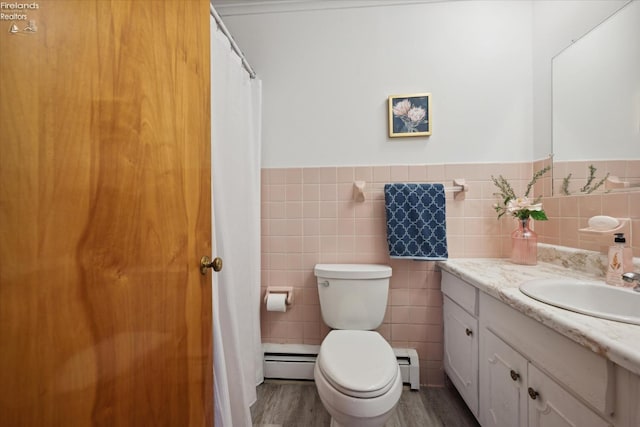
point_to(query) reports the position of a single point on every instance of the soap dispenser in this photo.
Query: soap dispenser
(620, 260)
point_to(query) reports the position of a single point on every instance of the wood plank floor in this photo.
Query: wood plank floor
(297, 404)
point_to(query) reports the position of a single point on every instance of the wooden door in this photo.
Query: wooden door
(105, 211)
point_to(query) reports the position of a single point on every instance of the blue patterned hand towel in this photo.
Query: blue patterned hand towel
(416, 222)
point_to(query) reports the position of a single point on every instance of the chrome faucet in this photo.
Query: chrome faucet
(632, 277)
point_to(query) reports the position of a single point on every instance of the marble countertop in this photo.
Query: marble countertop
(616, 341)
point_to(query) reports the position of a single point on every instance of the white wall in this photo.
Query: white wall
(327, 75)
(328, 70)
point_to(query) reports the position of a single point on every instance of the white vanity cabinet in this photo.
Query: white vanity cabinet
(553, 380)
(513, 371)
(516, 393)
(461, 337)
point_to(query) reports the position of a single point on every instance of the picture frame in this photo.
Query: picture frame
(410, 115)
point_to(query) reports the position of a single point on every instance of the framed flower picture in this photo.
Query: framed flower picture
(410, 115)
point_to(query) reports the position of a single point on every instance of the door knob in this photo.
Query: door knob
(205, 263)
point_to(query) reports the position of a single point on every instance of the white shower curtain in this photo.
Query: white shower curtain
(235, 162)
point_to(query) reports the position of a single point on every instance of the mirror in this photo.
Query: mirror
(596, 106)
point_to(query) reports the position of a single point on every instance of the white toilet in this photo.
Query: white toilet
(356, 373)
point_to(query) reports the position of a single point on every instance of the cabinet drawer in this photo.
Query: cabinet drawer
(462, 293)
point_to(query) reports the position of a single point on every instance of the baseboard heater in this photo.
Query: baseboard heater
(296, 362)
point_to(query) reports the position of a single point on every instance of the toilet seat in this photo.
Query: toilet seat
(360, 364)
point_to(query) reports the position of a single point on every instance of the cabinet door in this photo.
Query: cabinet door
(552, 406)
(461, 352)
(503, 379)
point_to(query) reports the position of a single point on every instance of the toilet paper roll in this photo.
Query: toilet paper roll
(277, 302)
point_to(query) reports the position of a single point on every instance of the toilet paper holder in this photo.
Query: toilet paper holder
(280, 290)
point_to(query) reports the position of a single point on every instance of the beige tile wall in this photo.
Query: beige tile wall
(309, 217)
(625, 170)
(570, 213)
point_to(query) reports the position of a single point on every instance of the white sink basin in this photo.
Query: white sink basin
(592, 298)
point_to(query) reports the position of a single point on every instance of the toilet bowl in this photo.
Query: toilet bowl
(358, 378)
(356, 372)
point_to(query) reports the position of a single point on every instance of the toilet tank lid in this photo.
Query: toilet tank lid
(352, 271)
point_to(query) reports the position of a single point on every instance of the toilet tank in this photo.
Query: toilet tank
(353, 296)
